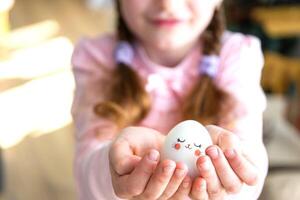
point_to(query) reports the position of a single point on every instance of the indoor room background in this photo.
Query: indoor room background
(37, 38)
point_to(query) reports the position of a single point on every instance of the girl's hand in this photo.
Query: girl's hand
(136, 171)
(225, 168)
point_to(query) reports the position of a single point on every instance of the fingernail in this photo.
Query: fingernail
(201, 185)
(213, 152)
(204, 164)
(180, 172)
(170, 167)
(153, 155)
(230, 153)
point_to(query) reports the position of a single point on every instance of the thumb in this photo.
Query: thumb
(224, 138)
(122, 159)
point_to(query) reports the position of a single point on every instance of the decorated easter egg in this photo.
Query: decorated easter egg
(185, 143)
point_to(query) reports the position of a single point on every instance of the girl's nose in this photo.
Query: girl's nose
(168, 5)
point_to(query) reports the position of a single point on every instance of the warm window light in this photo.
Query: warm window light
(48, 57)
(5, 6)
(42, 104)
(29, 35)
(39, 106)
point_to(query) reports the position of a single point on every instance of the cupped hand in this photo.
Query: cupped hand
(137, 172)
(225, 167)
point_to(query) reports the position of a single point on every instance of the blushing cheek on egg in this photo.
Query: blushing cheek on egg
(197, 153)
(185, 143)
(177, 146)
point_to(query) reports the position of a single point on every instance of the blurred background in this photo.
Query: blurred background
(36, 89)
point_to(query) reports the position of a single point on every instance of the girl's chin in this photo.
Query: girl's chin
(164, 41)
(168, 45)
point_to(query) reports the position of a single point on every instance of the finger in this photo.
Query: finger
(121, 157)
(242, 167)
(178, 176)
(151, 138)
(184, 189)
(199, 189)
(228, 140)
(135, 183)
(207, 171)
(130, 146)
(224, 138)
(159, 180)
(215, 132)
(230, 181)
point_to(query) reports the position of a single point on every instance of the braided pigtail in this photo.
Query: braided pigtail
(127, 101)
(206, 102)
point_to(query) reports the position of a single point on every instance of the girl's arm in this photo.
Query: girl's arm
(241, 66)
(93, 135)
(236, 165)
(235, 168)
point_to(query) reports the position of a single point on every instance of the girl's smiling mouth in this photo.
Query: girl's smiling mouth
(167, 22)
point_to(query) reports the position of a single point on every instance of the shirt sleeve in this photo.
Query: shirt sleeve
(93, 135)
(240, 74)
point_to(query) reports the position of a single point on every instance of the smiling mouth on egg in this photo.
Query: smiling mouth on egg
(188, 146)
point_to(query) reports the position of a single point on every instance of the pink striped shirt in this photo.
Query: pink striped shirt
(239, 74)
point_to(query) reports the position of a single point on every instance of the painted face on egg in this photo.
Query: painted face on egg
(185, 143)
(188, 147)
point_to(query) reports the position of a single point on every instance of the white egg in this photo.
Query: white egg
(185, 143)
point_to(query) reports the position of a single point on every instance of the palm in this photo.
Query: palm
(139, 140)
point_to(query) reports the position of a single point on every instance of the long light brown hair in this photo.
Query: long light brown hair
(127, 101)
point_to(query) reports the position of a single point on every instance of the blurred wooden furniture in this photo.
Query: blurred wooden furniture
(39, 165)
(279, 72)
(278, 21)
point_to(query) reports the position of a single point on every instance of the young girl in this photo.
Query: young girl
(170, 60)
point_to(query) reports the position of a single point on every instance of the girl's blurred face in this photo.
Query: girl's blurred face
(168, 24)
